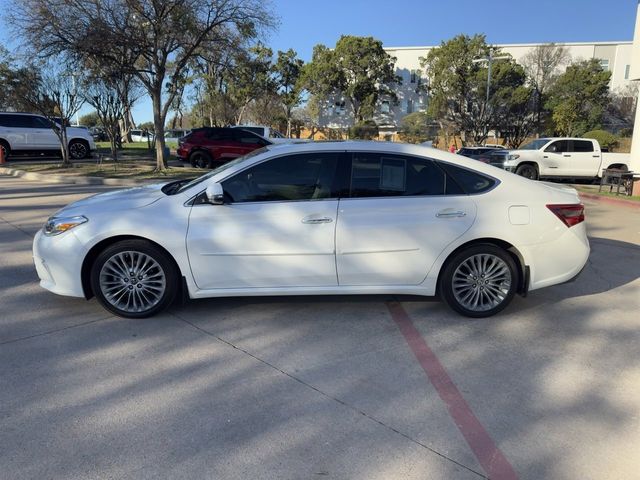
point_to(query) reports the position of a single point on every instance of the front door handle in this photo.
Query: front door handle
(316, 220)
(450, 214)
(566, 155)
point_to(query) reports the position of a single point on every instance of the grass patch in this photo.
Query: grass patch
(112, 170)
(603, 193)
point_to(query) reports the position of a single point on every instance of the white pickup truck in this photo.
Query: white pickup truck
(559, 158)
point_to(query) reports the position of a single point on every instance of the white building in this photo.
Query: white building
(614, 57)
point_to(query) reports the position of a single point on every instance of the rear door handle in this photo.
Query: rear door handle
(566, 155)
(315, 220)
(450, 214)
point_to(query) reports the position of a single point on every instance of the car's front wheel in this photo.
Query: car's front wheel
(78, 149)
(200, 159)
(527, 171)
(134, 279)
(479, 281)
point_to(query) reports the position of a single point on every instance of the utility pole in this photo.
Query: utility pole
(489, 60)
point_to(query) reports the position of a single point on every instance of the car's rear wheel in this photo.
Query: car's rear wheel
(200, 159)
(479, 281)
(528, 171)
(134, 279)
(78, 149)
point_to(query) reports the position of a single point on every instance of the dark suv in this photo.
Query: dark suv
(208, 147)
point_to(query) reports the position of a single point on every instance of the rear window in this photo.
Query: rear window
(470, 181)
(582, 146)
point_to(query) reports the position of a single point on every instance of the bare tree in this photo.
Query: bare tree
(542, 65)
(105, 94)
(152, 39)
(54, 93)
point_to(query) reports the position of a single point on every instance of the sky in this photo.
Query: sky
(429, 22)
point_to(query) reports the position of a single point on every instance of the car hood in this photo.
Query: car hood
(136, 197)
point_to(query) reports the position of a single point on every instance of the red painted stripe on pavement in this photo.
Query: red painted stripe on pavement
(488, 454)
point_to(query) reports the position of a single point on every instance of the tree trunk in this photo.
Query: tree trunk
(64, 147)
(158, 127)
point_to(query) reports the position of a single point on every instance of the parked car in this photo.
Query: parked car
(138, 135)
(269, 133)
(175, 134)
(312, 219)
(210, 146)
(28, 133)
(562, 158)
(477, 153)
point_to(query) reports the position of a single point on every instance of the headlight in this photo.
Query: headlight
(58, 225)
(513, 157)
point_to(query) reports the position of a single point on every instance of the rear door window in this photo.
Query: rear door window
(389, 175)
(580, 146)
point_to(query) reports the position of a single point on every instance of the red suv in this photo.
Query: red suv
(208, 147)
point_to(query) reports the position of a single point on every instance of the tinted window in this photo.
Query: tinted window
(16, 121)
(558, 146)
(249, 138)
(294, 177)
(384, 175)
(39, 122)
(258, 130)
(470, 181)
(582, 146)
(222, 134)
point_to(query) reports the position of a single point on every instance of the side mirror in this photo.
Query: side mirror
(215, 194)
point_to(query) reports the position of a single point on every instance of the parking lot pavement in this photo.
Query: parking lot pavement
(306, 387)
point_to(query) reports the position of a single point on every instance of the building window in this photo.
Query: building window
(385, 107)
(409, 106)
(604, 64)
(627, 71)
(339, 108)
(414, 76)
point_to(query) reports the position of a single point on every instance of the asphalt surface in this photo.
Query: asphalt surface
(310, 387)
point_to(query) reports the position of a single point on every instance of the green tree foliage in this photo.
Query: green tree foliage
(456, 86)
(458, 89)
(579, 97)
(365, 130)
(607, 140)
(91, 119)
(287, 71)
(357, 68)
(417, 127)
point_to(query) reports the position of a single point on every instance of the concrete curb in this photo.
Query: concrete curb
(80, 180)
(615, 201)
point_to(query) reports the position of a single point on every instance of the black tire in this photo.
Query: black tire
(113, 287)
(200, 159)
(527, 171)
(78, 149)
(6, 150)
(494, 293)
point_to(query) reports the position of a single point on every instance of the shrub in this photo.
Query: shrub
(367, 130)
(607, 140)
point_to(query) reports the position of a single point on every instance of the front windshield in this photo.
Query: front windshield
(535, 145)
(221, 168)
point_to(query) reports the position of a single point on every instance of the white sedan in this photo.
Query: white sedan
(322, 218)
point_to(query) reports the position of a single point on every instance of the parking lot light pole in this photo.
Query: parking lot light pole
(489, 59)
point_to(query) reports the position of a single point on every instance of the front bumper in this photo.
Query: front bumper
(58, 261)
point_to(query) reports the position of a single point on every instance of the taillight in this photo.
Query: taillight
(570, 215)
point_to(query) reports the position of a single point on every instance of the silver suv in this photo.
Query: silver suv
(29, 133)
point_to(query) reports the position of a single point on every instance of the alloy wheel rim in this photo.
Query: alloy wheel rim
(78, 150)
(132, 281)
(482, 282)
